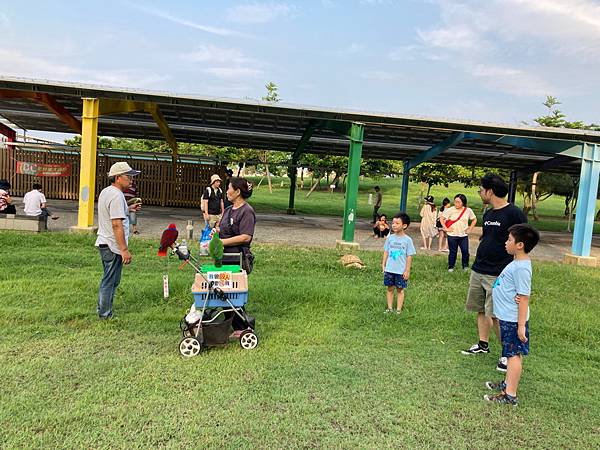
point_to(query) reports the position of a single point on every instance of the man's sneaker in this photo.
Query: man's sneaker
(450, 270)
(499, 386)
(502, 365)
(501, 398)
(475, 349)
(388, 310)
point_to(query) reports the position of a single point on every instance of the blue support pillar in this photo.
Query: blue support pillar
(404, 191)
(586, 200)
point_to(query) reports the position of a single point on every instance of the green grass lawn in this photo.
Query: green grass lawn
(326, 203)
(331, 369)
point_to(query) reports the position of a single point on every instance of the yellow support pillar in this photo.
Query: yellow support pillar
(87, 172)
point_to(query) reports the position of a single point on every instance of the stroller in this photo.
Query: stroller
(218, 313)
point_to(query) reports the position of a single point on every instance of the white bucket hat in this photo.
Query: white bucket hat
(214, 178)
(122, 168)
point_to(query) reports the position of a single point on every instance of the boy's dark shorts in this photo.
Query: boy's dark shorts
(511, 344)
(394, 279)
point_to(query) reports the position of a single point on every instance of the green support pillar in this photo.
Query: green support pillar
(352, 181)
(404, 191)
(292, 174)
(293, 169)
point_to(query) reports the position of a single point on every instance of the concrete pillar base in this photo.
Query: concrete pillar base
(574, 260)
(346, 246)
(83, 230)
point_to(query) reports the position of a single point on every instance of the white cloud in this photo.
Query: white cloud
(31, 66)
(255, 13)
(353, 49)
(125, 78)
(452, 37)
(375, 2)
(23, 65)
(512, 80)
(225, 63)
(404, 53)
(519, 47)
(186, 22)
(380, 75)
(208, 53)
(232, 72)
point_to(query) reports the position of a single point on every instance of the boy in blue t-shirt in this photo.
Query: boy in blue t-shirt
(397, 259)
(510, 295)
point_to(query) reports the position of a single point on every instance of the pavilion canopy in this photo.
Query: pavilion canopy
(260, 125)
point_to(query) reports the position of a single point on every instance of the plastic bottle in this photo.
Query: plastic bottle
(189, 228)
(183, 248)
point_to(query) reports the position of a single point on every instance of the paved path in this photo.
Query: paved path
(305, 231)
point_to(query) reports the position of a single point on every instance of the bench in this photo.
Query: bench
(22, 223)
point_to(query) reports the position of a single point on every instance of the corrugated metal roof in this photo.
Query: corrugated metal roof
(260, 125)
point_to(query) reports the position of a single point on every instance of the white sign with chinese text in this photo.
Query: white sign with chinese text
(220, 279)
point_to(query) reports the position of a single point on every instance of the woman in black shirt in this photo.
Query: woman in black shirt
(237, 225)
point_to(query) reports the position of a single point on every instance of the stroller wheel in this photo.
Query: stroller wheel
(248, 340)
(189, 347)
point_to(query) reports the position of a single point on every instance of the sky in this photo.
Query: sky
(487, 60)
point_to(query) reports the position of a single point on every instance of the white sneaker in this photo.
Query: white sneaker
(502, 364)
(450, 270)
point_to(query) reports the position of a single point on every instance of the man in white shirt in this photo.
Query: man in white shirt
(113, 234)
(35, 203)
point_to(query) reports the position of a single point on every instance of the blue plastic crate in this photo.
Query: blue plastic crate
(237, 299)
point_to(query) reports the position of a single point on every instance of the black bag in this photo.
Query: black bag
(247, 260)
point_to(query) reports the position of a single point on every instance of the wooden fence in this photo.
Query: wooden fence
(158, 184)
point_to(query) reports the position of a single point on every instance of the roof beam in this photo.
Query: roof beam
(49, 102)
(558, 161)
(110, 107)
(437, 149)
(566, 148)
(163, 126)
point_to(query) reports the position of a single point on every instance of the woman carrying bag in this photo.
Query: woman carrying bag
(455, 221)
(236, 228)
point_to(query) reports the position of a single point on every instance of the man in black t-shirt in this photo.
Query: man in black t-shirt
(491, 259)
(212, 202)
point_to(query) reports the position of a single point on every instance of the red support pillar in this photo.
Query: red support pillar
(11, 136)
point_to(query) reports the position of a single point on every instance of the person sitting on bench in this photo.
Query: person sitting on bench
(6, 206)
(35, 203)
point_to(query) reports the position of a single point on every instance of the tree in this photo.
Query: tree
(541, 186)
(546, 185)
(432, 174)
(263, 156)
(272, 93)
(556, 119)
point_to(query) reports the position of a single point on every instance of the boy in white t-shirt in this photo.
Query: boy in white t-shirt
(35, 203)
